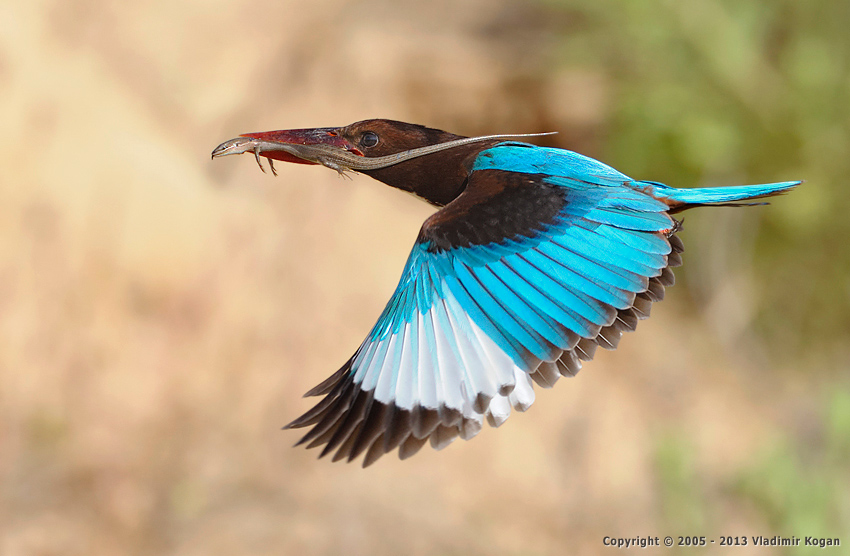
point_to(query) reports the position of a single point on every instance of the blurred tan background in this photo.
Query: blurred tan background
(161, 314)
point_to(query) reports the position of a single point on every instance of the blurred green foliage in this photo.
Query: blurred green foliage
(802, 486)
(683, 506)
(718, 92)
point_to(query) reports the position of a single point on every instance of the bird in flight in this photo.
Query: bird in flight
(535, 258)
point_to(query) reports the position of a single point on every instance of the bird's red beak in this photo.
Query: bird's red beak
(264, 143)
(319, 136)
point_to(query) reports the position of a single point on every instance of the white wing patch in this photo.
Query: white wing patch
(442, 359)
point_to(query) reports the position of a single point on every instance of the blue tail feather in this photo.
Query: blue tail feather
(717, 195)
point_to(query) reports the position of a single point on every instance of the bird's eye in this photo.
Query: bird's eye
(369, 139)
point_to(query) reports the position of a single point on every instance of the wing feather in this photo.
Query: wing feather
(542, 259)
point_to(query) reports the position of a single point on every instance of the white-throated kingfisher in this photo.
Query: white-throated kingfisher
(535, 257)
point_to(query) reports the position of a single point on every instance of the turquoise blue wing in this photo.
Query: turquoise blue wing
(545, 256)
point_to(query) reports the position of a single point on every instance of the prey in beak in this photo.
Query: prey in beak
(322, 146)
(340, 149)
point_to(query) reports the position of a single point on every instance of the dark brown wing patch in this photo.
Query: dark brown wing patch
(499, 205)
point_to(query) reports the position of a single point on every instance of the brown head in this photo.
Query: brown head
(438, 177)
